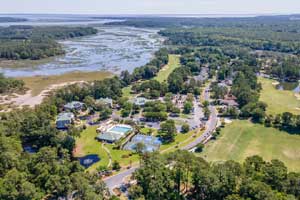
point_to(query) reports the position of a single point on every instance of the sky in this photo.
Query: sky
(151, 6)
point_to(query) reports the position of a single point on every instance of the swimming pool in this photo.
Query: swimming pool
(120, 129)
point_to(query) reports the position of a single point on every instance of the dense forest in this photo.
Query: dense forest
(171, 22)
(276, 35)
(254, 38)
(51, 171)
(27, 42)
(182, 175)
(236, 42)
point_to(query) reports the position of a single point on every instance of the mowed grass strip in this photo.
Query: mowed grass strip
(278, 101)
(39, 83)
(163, 74)
(242, 139)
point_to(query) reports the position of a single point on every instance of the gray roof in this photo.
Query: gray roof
(74, 105)
(104, 100)
(228, 102)
(140, 101)
(109, 136)
(65, 116)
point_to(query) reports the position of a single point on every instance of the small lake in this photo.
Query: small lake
(112, 49)
(89, 160)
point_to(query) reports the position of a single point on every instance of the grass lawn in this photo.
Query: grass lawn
(164, 73)
(242, 139)
(278, 101)
(180, 137)
(39, 83)
(122, 156)
(87, 144)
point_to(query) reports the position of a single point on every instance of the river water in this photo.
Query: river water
(113, 48)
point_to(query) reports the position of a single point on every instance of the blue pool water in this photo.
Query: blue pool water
(120, 129)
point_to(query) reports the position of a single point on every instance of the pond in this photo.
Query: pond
(89, 160)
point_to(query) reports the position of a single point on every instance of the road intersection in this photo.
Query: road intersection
(117, 180)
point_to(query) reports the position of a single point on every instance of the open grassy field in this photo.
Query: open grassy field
(39, 83)
(87, 144)
(242, 139)
(278, 101)
(164, 73)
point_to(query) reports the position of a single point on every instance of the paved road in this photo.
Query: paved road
(210, 124)
(210, 127)
(116, 180)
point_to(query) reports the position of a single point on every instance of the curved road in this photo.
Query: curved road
(116, 180)
(210, 124)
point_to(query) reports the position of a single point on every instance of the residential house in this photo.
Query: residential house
(105, 101)
(140, 101)
(64, 119)
(74, 105)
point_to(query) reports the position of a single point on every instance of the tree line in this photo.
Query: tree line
(182, 175)
(8, 85)
(27, 42)
(51, 172)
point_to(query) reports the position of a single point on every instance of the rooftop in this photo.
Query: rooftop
(74, 105)
(65, 116)
(105, 100)
(114, 133)
(140, 101)
(110, 136)
(228, 102)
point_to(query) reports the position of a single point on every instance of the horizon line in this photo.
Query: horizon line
(157, 14)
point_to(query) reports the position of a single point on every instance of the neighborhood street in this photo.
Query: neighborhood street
(210, 124)
(116, 180)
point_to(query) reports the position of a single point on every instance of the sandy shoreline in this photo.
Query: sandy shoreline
(27, 99)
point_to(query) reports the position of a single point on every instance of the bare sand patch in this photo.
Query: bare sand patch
(227, 121)
(293, 154)
(27, 99)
